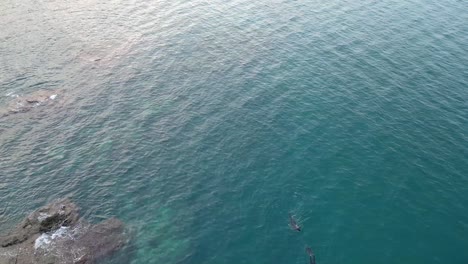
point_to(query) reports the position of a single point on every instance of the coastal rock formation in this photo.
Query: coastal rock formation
(55, 234)
(46, 219)
(22, 104)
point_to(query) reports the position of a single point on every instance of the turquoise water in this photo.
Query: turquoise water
(202, 124)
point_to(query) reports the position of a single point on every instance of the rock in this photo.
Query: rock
(83, 244)
(22, 104)
(47, 218)
(55, 234)
(105, 237)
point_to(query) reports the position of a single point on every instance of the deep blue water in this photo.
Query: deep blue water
(202, 124)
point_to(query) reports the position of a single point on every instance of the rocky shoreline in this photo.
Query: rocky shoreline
(55, 234)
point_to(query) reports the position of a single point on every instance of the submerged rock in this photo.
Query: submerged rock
(55, 234)
(22, 104)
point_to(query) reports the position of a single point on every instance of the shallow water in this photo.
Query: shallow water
(202, 124)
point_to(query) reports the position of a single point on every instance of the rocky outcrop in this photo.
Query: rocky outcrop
(46, 219)
(22, 104)
(55, 234)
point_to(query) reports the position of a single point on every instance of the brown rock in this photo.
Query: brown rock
(54, 234)
(27, 103)
(50, 217)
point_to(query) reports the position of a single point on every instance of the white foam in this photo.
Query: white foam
(42, 217)
(42, 241)
(45, 240)
(11, 94)
(53, 96)
(61, 232)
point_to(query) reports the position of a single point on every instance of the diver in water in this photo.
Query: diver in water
(293, 223)
(311, 255)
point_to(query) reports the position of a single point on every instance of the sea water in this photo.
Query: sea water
(203, 124)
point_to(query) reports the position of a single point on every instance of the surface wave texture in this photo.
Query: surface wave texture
(202, 124)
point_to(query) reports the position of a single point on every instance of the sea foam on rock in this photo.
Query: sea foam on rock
(55, 234)
(23, 104)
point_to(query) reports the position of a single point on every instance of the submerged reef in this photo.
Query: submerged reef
(22, 104)
(55, 234)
